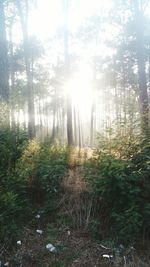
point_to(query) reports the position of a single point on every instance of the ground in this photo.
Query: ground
(75, 245)
(75, 248)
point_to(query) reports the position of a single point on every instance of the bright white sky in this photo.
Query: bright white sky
(49, 15)
(44, 22)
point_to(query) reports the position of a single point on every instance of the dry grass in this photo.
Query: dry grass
(80, 155)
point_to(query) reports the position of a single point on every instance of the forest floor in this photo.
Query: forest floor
(73, 246)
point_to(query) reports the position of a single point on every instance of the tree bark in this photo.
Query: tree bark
(4, 73)
(67, 70)
(143, 95)
(30, 93)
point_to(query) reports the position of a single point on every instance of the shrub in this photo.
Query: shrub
(43, 166)
(36, 178)
(11, 147)
(121, 187)
(13, 207)
(13, 197)
(10, 207)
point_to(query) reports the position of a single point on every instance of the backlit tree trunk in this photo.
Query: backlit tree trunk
(67, 68)
(4, 73)
(143, 95)
(30, 93)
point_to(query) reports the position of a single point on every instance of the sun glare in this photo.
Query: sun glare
(48, 16)
(80, 92)
(79, 87)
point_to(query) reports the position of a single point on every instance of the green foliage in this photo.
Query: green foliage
(14, 207)
(10, 207)
(128, 223)
(43, 166)
(121, 187)
(29, 174)
(13, 200)
(121, 143)
(4, 114)
(11, 147)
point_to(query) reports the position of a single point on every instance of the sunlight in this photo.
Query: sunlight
(79, 88)
(48, 16)
(80, 92)
(45, 20)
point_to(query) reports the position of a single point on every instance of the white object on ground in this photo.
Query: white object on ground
(37, 216)
(39, 231)
(68, 232)
(6, 264)
(19, 242)
(107, 256)
(51, 248)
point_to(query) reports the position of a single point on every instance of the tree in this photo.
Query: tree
(23, 9)
(67, 71)
(141, 58)
(4, 73)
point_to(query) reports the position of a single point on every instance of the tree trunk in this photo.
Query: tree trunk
(12, 76)
(75, 128)
(92, 130)
(4, 74)
(30, 93)
(143, 95)
(67, 68)
(54, 122)
(93, 109)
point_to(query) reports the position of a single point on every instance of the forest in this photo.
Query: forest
(74, 133)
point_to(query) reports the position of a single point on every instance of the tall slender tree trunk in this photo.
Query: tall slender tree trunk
(75, 127)
(54, 122)
(67, 68)
(143, 95)
(93, 109)
(30, 92)
(12, 77)
(4, 75)
(4, 72)
(92, 130)
(79, 126)
(63, 126)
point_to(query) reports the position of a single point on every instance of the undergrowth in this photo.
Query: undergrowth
(31, 175)
(114, 205)
(120, 182)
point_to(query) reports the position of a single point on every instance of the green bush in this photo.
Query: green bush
(11, 147)
(119, 144)
(10, 207)
(43, 166)
(121, 188)
(30, 173)
(14, 207)
(13, 194)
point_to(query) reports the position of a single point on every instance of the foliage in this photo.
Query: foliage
(120, 141)
(11, 147)
(43, 166)
(29, 174)
(12, 206)
(13, 199)
(121, 187)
